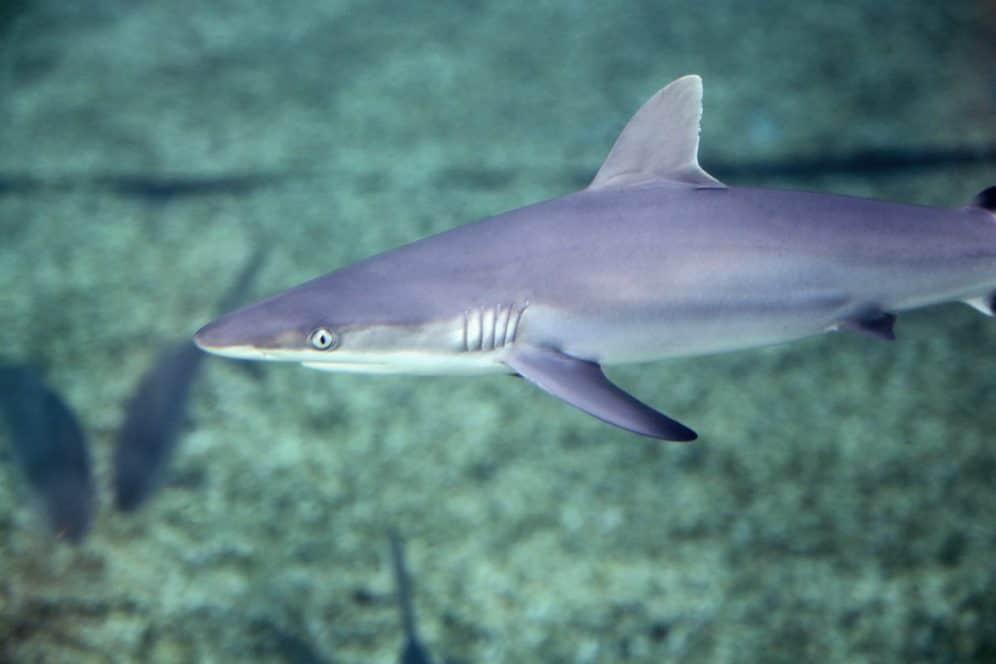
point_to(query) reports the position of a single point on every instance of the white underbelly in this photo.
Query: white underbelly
(423, 364)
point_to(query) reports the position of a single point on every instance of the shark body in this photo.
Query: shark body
(654, 259)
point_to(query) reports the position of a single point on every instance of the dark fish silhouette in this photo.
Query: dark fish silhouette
(285, 645)
(149, 187)
(154, 418)
(157, 411)
(50, 449)
(875, 161)
(412, 652)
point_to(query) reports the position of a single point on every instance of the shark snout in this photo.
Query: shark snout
(226, 336)
(253, 333)
(212, 337)
(217, 339)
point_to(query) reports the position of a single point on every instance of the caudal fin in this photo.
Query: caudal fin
(985, 200)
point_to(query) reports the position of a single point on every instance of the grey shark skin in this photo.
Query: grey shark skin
(654, 259)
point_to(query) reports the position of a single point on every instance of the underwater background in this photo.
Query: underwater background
(839, 506)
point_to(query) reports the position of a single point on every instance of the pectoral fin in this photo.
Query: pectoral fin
(583, 385)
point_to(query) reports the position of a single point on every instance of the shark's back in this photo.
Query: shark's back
(596, 248)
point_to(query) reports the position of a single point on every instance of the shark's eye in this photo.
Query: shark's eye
(323, 339)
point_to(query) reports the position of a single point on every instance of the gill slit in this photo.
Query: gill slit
(491, 328)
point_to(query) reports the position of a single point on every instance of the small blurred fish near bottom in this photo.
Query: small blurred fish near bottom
(50, 449)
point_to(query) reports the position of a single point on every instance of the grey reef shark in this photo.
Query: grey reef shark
(654, 259)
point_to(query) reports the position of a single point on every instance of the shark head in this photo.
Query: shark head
(337, 323)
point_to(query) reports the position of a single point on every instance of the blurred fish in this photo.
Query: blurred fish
(157, 411)
(165, 189)
(288, 646)
(412, 652)
(876, 161)
(155, 415)
(882, 160)
(148, 187)
(50, 449)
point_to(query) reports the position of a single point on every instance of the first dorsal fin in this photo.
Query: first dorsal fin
(661, 141)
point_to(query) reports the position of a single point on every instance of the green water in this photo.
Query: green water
(838, 507)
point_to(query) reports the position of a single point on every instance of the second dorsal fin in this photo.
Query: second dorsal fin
(986, 199)
(661, 141)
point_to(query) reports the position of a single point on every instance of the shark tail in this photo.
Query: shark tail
(985, 200)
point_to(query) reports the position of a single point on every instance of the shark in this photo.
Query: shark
(654, 259)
